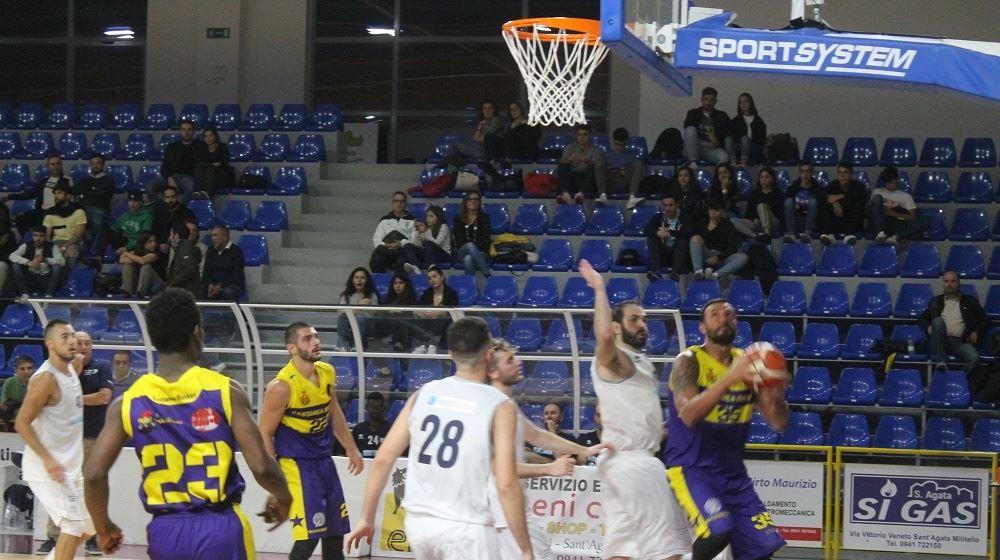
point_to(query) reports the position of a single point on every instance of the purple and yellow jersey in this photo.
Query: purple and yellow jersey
(184, 440)
(304, 431)
(715, 443)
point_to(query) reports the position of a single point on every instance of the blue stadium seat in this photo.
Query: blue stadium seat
(966, 260)
(235, 214)
(33, 351)
(810, 385)
(901, 152)
(377, 379)
(159, 116)
(932, 186)
(638, 217)
(835, 260)
(820, 340)
(601, 141)
(106, 144)
(92, 320)
(662, 294)
(746, 296)
(60, 117)
(293, 116)
(804, 428)
(503, 175)
(10, 144)
(121, 175)
(780, 334)
(704, 178)
(499, 217)
(787, 297)
(896, 432)
(37, 145)
(902, 387)
(849, 430)
(241, 147)
(499, 291)
(227, 116)
(978, 152)
(557, 336)
(974, 187)
(637, 145)
(905, 332)
(351, 411)
(138, 147)
(5, 118)
(637, 245)
(146, 174)
(936, 229)
(859, 341)
(796, 260)
(744, 335)
(821, 177)
(606, 220)
(289, 181)
(744, 184)
(77, 172)
(879, 261)
(259, 117)
(760, 431)
(308, 147)
(326, 117)
(862, 177)
(346, 370)
(420, 283)
(126, 116)
(548, 378)
(273, 147)
(576, 293)
(554, 255)
(993, 272)
(783, 180)
(421, 371)
(126, 326)
(271, 215)
(922, 261)
(657, 338)
(969, 224)
(465, 286)
(443, 146)
(856, 386)
(568, 219)
(872, 299)
(72, 145)
(597, 252)
(18, 207)
(15, 177)
(912, 300)
(166, 138)
(938, 152)
(944, 433)
(204, 211)
(699, 292)
(197, 113)
(530, 219)
(861, 151)
(254, 249)
(692, 336)
(622, 289)
(986, 435)
(525, 333)
(821, 151)
(16, 320)
(418, 209)
(540, 291)
(27, 116)
(553, 146)
(829, 299)
(948, 389)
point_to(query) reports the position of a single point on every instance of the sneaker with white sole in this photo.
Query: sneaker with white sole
(850, 240)
(827, 239)
(601, 200)
(711, 274)
(578, 198)
(563, 198)
(789, 238)
(699, 274)
(891, 240)
(634, 201)
(805, 238)
(431, 349)
(91, 548)
(22, 299)
(46, 547)
(881, 237)
(420, 349)
(411, 269)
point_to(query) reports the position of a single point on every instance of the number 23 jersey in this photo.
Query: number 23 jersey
(184, 440)
(450, 450)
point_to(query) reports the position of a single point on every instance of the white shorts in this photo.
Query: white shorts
(540, 542)
(435, 538)
(643, 520)
(64, 504)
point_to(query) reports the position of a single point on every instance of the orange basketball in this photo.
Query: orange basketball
(768, 364)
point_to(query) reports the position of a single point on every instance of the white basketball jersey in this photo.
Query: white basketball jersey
(630, 410)
(500, 520)
(450, 450)
(59, 428)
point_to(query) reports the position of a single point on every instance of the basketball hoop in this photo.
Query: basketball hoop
(557, 57)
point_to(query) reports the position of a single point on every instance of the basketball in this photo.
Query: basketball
(768, 364)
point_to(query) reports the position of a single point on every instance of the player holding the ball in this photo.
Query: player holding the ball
(714, 389)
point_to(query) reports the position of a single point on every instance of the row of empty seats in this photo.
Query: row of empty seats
(163, 116)
(921, 260)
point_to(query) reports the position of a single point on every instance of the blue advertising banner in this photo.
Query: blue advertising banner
(916, 509)
(965, 66)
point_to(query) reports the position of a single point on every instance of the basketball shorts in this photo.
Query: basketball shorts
(435, 538)
(540, 543)
(318, 506)
(642, 519)
(63, 502)
(202, 535)
(717, 503)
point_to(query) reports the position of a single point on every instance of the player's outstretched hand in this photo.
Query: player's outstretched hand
(563, 466)
(363, 531)
(596, 449)
(355, 463)
(112, 541)
(593, 278)
(274, 512)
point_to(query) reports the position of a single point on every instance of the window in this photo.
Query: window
(352, 18)
(92, 17)
(454, 76)
(358, 76)
(33, 73)
(439, 18)
(109, 75)
(33, 18)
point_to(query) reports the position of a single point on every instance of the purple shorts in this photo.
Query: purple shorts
(202, 535)
(318, 506)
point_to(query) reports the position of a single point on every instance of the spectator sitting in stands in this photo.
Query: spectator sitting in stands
(552, 418)
(705, 130)
(747, 133)
(194, 236)
(7, 244)
(94, 192)
(802, 200)
(434, 237)
(689, 197)
(211, 169)
(36, 266)
(360, 290)
(893, 212)
(43, 195)
(223, 277)
(184, 261)
(167, 211)
(581, 168)
(844, 209)
(125, 231)
(590, 439)
(437, 294)
(766, 203)
(178, 165)
(487, 142)
(472, 235)
(400, 294)
(521, 140)
(955, 324)
(668, 235)
(623, 171)
(143, 268)
(14, 389)
(724, 188)
(370, 434)
(122, 375)
(716, 245)
(65, 224)
(395, 238)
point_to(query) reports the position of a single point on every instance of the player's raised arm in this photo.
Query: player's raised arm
(338, 423)
(95, 475)
(604, 336)
(505, 469)
(275, 401)
(41, 388)
(693, 405)
(547, 440)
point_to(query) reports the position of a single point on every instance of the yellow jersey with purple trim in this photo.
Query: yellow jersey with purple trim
(304, 431)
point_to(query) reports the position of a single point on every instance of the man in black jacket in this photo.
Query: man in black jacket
(177, 169)
(94, 192)
(223, 277)
(167, 212)
(668, 235)
(955, 324)
(183, 266)
(842, 208)
(802, 205)
(705, 130)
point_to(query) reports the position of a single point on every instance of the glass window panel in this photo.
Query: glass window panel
(352, 18)
(417, 136)
(94, 16)
(435, 18)
(33, 18)
(358, 76)
(453, 76)
(590, 9)
(33, 73)
(109, 75)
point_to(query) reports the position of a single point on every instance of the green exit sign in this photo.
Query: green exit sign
(217, 33)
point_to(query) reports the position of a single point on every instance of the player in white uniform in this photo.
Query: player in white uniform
(642, 518)
(455, 427)
(51, 423)
(506, 371)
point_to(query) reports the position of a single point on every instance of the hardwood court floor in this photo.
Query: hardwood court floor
(139, 553)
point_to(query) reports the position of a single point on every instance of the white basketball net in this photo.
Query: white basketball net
(556, 73)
